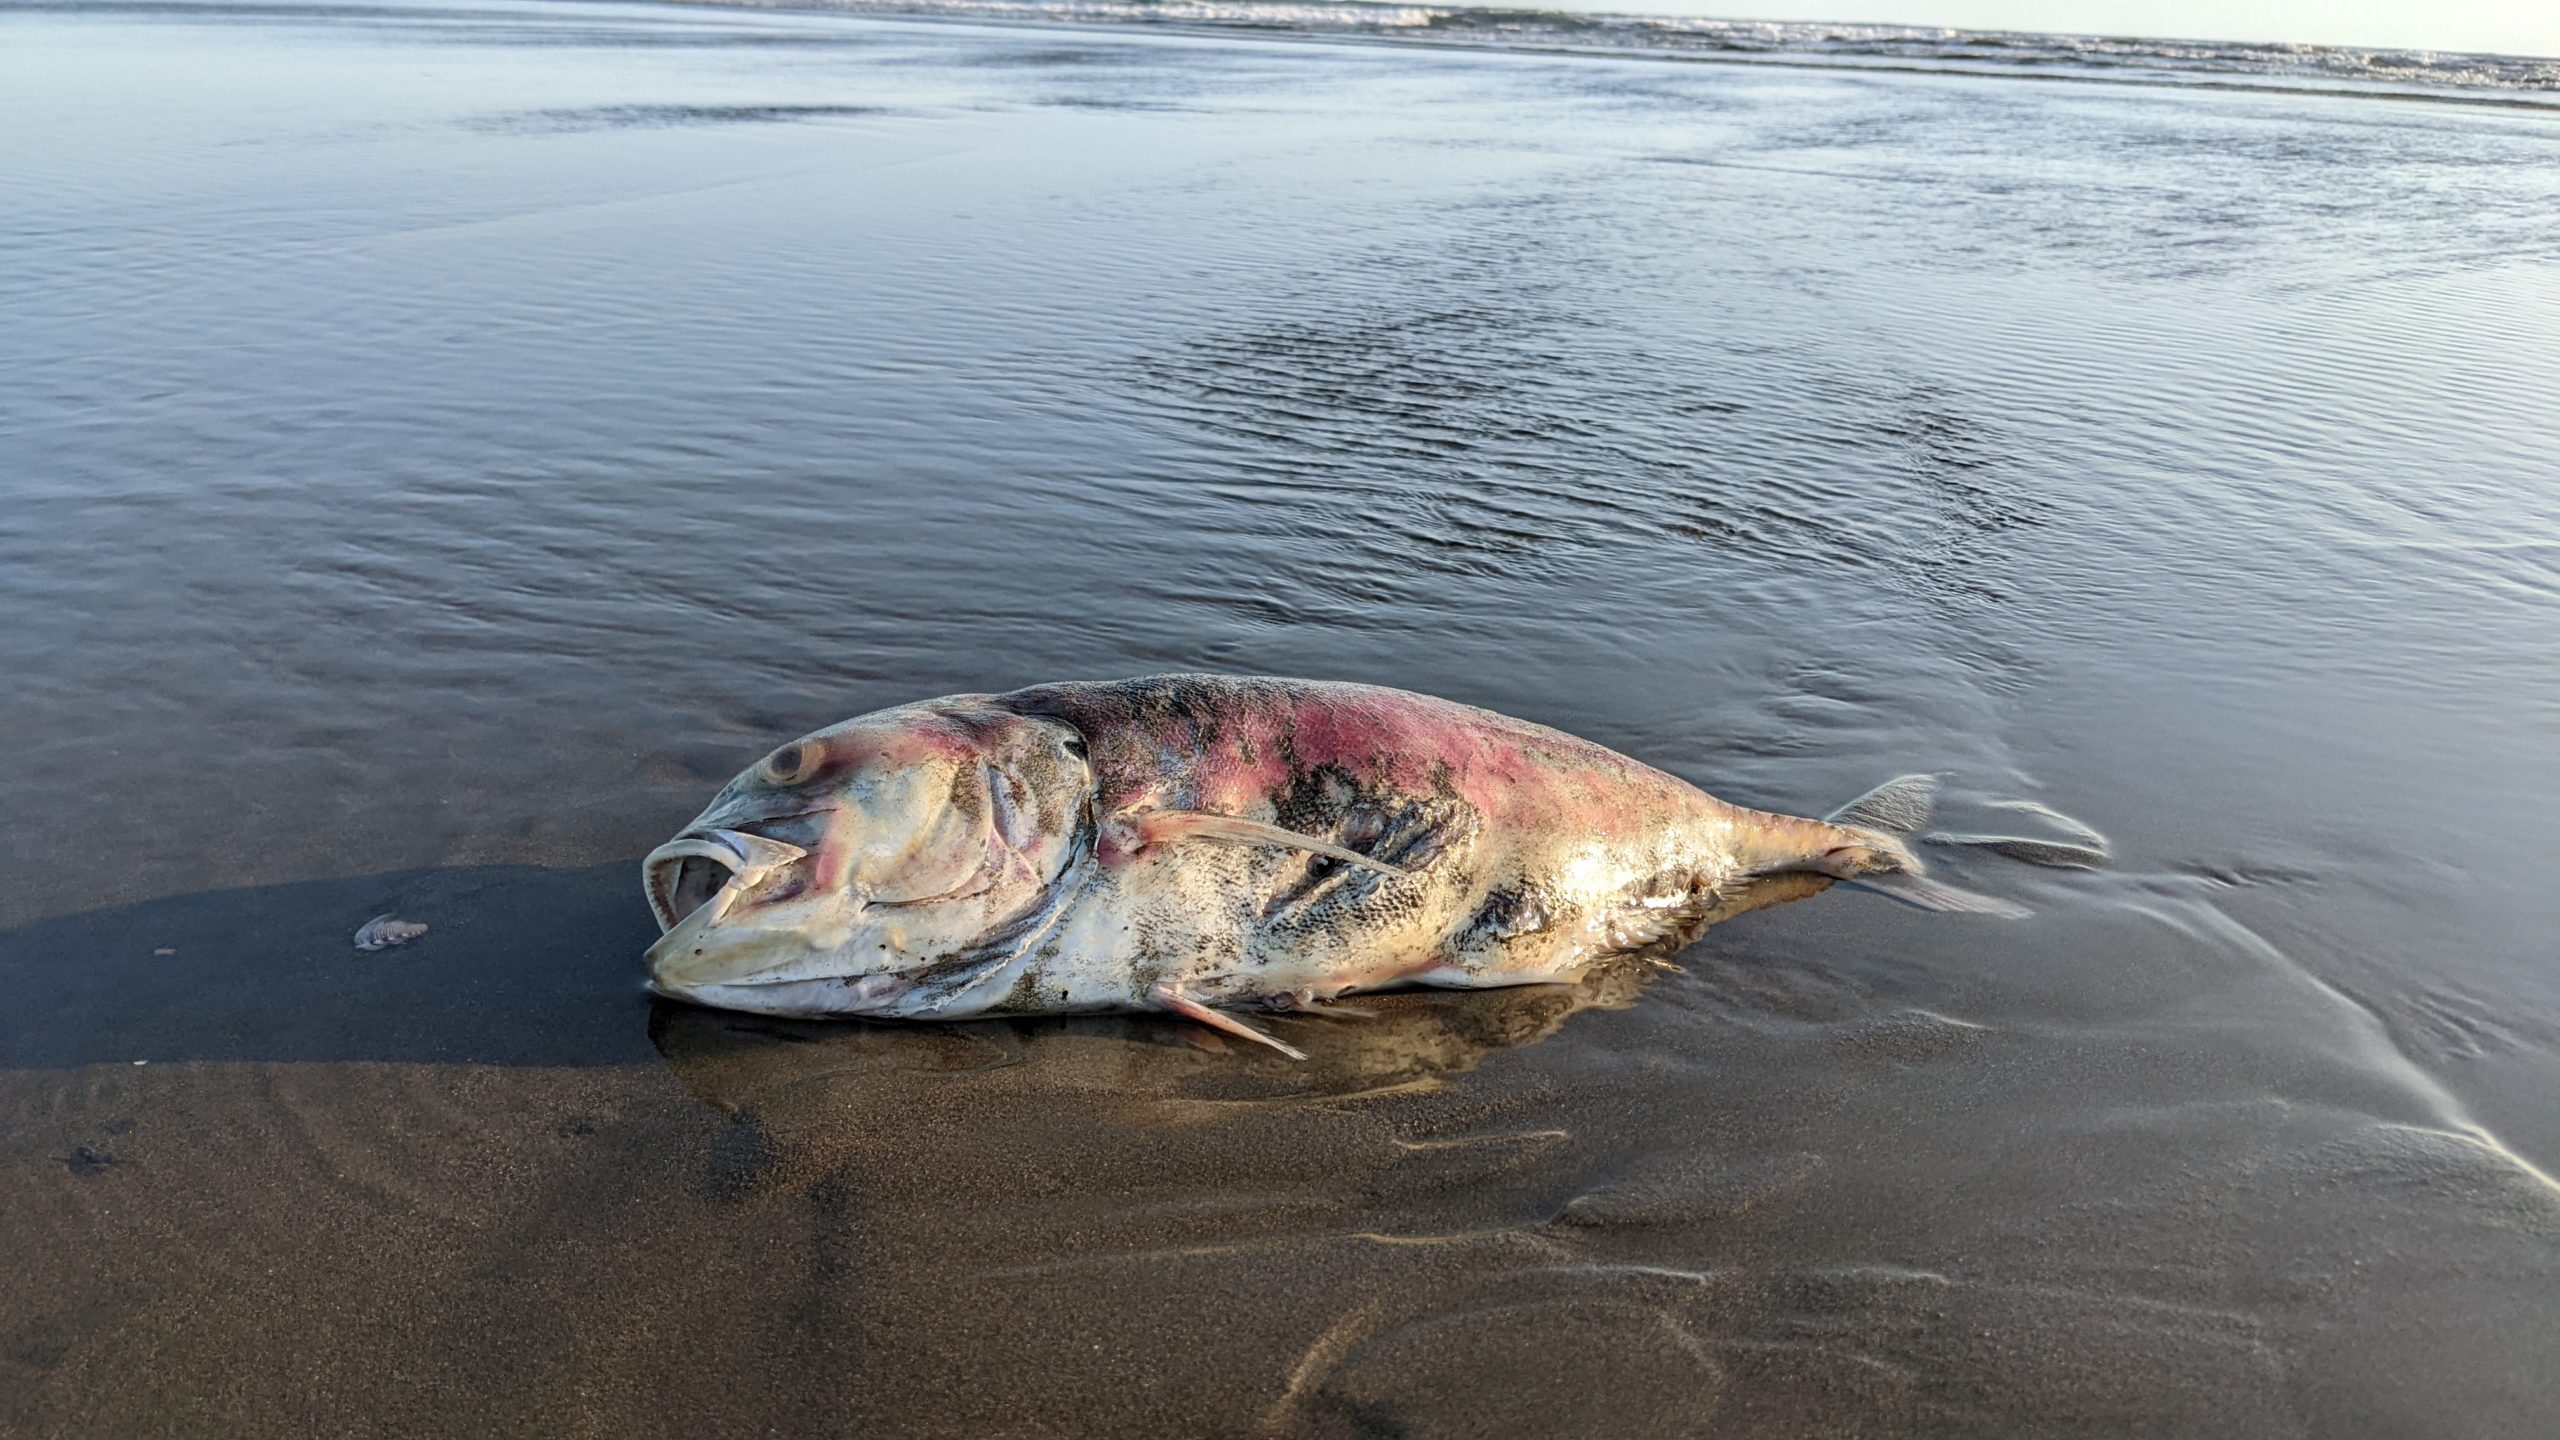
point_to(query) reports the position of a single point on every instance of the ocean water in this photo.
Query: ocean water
(440, 444)
(2519, 80)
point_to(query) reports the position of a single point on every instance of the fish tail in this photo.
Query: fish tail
(1883, 820)
(1872, 837)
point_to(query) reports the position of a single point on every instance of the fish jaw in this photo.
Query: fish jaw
(731, 940)
(766, 933)
(875, 995)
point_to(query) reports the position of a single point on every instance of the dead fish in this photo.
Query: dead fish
(383, 931)
(1201, 843)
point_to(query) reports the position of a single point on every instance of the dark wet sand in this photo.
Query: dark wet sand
(480, 1184)
(438, 439)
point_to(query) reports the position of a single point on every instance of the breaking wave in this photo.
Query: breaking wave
(2517, 80)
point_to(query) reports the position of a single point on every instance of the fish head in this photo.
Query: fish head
(839, 869)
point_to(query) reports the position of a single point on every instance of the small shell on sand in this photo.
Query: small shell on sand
(382, 932)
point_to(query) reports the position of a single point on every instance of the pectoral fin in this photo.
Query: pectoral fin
(1159, 826)
(1183, 1005)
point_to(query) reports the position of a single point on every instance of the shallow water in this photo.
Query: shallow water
(443, 444)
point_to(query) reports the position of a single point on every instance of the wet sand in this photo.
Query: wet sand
(480, 1184)
(445, 444)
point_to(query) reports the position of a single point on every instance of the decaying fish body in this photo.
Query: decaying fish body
(1197, 843)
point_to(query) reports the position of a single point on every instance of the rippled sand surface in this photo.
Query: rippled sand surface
(442, 444)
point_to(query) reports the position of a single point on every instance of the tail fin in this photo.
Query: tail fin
(1881, 824)
(1899, 806)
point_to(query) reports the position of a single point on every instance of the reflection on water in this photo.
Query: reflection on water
(793, 1090)
(760, 1069)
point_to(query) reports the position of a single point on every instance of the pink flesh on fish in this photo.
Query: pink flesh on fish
(1195, 843)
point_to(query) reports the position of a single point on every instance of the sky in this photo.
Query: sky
(2507, 27)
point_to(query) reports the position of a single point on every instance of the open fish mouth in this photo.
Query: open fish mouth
(714, 868)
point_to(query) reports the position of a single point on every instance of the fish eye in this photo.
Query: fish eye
(791, 764)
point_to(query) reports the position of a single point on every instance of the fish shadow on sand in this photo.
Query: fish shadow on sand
(528, 966)
(747, 1065)
(519, 966)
